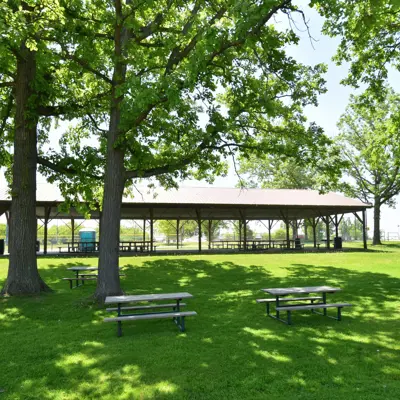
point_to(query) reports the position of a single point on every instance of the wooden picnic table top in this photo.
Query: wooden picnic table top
(147, 297)
(307, 289)
(83, 268)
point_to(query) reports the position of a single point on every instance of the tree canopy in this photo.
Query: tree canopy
(277, 172)
(370, 37)
(370, 137)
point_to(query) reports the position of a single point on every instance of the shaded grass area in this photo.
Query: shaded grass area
(56, 346)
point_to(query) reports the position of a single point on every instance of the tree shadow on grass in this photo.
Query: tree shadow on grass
(57, 347)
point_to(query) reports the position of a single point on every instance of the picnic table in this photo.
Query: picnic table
(83, 273)
(80, 275)
(280, 297)
(175, 312)
(251, 244)
(137, 246)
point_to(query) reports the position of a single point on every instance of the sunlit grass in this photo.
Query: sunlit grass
(56, 346)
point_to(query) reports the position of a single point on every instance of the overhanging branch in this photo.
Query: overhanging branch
(62, 169)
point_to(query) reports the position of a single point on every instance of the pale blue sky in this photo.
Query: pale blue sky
(331, 105)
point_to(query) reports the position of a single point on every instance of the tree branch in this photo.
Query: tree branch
(63, 170)
(84, 64)
(55, 111)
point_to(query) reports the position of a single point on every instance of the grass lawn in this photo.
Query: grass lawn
(56, 346)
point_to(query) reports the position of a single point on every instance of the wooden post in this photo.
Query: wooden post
(244, 234)
(314, 230)
(336, 226)
(305, 224)
(328, 245)
(151, 230)
(47, 211)
(240, 232)
(73, 230)
(144, 231)
(269, 231)
(364, 218)
(177, 233)
(198, 213)
(209, 233)
(287, 233)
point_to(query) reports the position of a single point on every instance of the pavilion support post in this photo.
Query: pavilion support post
(151, 230)
(305, 224)
(336, 226)
(285, 219)
(364, 225)
(328, 238)
(209, 233)
(363, 222)
(200, 233)
(73, 230)
(47, 211)
(287, 233)
(240, 232)
(314, 231)
(270, 223)
(177, 233)
(198, 214)
(244, 234)
(144, 231)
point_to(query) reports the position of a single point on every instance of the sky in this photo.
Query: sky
(331, 105)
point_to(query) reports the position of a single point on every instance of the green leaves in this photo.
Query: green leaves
(370, 38)
(370, 137)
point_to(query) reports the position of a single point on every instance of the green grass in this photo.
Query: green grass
(56, 346)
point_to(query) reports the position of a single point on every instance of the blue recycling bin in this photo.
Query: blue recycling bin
(87, 239)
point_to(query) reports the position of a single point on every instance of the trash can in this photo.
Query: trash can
(87, 240)
(1, 246)
(297, 243)
(37, 245)
(337, 242)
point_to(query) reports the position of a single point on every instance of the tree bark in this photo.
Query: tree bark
(377, 222)
(23, 276)
(108, 282)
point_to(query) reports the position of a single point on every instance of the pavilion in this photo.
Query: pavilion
(210, 204)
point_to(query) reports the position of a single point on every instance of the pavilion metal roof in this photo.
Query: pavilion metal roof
(207, 203)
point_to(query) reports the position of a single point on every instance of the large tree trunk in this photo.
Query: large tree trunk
(23, 276)
(108, 282)
(377, 222)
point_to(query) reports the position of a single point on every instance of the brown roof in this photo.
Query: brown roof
(213, 203)
(234, 196)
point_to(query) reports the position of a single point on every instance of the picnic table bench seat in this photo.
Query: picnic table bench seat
(81, 278)
(178, 317)
(270, 300)
(284, 299)
(312, 307)
(147, 307)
